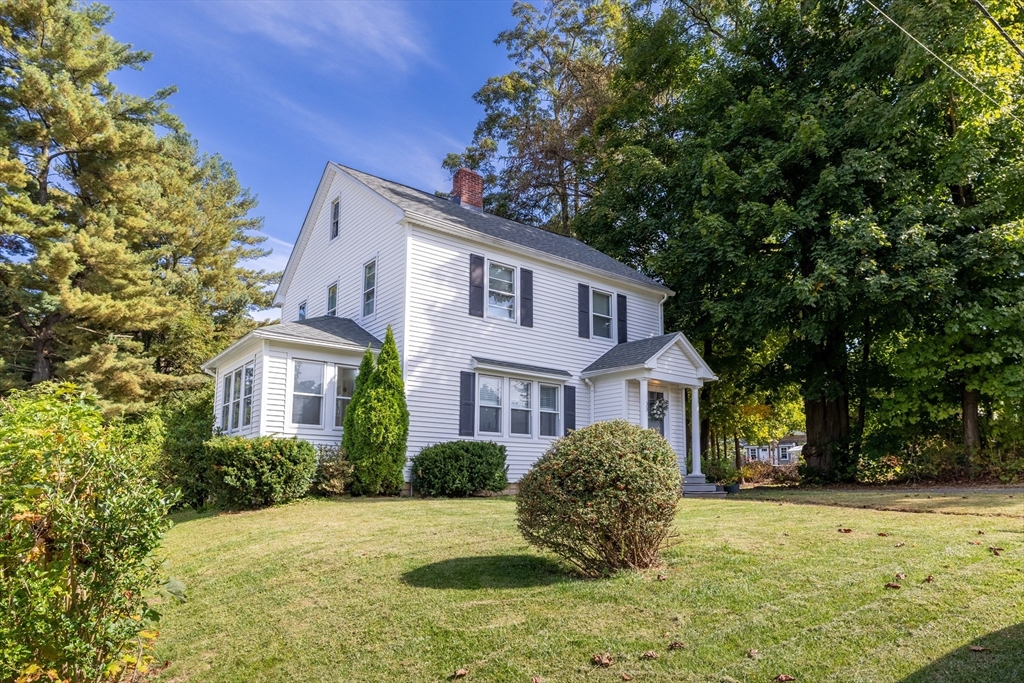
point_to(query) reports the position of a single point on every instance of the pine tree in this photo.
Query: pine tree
(383, 426)
(120, 243)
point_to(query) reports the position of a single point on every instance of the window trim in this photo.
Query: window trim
(302, 311)
(248, 389)
(364, 289)
(487, 291)
(292, 394)
(335, 219)
(332, 287)
(594, 314)
(225, 402)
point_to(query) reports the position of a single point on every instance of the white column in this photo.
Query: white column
(695, 418)
(643, 403)
(682, 434)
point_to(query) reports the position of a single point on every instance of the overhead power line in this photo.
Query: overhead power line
(945, 63)
(999, 28)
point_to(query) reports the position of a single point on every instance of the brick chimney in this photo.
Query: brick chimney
(468, 189)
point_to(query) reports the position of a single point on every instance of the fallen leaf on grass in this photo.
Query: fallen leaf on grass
(650, 654)
(626, 676)
(929, 578)
(893, 586)
(786, 533)
(900, 544)
(995, 551)
(752, 654)
(882, 533)
(536, 679)
(782, 678)
(602, 660)
(661, 577)
(845, 531)
(977, 648)
(900, 576)
(676, 645)
(461, 673)
(980, 532)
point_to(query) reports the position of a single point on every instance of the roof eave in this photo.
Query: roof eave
(304, 341)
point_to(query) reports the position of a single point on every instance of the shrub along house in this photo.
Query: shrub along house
(507, 333)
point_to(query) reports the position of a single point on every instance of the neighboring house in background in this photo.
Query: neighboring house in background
(507, 332)
(785, 451)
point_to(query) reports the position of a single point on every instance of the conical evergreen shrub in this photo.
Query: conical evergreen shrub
(380, 422)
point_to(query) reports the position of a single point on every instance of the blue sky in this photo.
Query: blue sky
(280, 88)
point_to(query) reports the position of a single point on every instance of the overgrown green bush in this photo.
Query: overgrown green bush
(460, 468)
(377, 423)
(333, 471)
(79, 521)
(757, 472)
(259, 472)
(719, 470)
(602, 498)
(188, 423)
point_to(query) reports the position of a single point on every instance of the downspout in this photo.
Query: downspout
(661, 311)
(590, 389)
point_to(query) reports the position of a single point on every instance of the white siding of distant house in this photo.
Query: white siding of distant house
(370, 227)
(442, 336)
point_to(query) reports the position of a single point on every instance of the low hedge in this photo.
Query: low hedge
(460, 468)
(259, 472)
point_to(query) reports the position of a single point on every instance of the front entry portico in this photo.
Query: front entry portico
(650, 382)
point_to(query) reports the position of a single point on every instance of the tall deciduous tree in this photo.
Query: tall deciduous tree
(119, 243)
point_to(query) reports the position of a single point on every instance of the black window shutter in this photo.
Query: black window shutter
(525, 297)
(570, 408)
(467, 404)
(476, 285)
(621, 312)
(584, 309)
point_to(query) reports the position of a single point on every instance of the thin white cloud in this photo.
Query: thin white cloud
(339, 33)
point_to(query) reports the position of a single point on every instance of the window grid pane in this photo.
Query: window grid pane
(332, 300)
(369, 287)
(307, 392)
(335, 214)
(490, 404)
(501, 287)
(548, 410)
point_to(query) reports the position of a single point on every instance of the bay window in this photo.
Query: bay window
(247, 383)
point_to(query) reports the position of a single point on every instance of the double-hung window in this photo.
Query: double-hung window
(236, 398)
(501, 292)
(602, 324)
(302, 311)
(369, 288)
(225, 408)
(521, 406)
(548, 410)
(332, 300)
(307, 392)
(335, 217)
(344, 384)
(490, 404)
(247, 382)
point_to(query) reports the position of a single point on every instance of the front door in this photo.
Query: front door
(656, 409)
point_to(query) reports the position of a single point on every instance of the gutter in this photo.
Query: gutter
(590, 386)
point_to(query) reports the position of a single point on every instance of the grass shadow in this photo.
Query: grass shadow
(488, 571)
(1001, 662)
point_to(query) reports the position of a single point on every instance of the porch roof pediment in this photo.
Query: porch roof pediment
(642, 356)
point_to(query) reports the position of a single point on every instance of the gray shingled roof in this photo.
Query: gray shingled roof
(631, 353)
(438, 208)
(523, 367)
(326, 328)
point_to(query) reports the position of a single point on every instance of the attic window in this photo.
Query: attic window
(332, 300)
(335, 217)
(369, 288)
(302, 311)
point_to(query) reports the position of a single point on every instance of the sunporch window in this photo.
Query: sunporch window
(307, 392)
(344, 386)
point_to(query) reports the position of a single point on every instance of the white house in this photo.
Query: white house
(507, 332)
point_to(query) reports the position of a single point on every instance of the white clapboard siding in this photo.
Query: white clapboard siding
(277, 388)
(369, 228)
(633, 401)
(677, 420)
(674, 361)
(607, 398)
(443, 337)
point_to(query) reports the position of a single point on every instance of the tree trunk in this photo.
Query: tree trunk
(42, 365)
(972, 433)
(705, 399)
(828, 412)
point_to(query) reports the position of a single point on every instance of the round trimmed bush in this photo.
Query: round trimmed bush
(602, 498)
(259, 472)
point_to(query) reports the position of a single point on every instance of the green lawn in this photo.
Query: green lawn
(1004, 501)
(411, 590)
